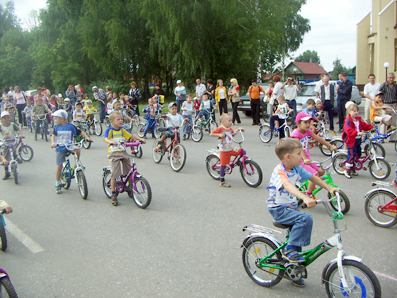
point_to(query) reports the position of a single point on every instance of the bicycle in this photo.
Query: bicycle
(25, 152)
(345, 276)
(378, 166)
(43, 126)
(3, 235)
(266, 135)
(13, 167)
(266, 116)
(250, 171)
(6, 287)
(324, 133)
(76, 172)
(345, 202)
(208, 125)
(140, 190)
(176, 151)
(83, 124)
(381, 205)
(142, 126)
(380, 137)
(29, 121)
(95, 126)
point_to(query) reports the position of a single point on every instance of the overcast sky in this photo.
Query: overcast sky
(333, 27)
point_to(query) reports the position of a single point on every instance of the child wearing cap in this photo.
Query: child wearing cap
(151, 110)
(377, 113)
(89, 110)
(304, 134)
(10, 109)
(63, 133)
(39, 109)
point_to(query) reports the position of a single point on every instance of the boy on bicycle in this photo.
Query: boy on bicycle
(151, 110)
(205, 107)
(89, 110)
(282, 203)
(280, 115)
(78, 114)
(63, 133)
(8, 130)
(39, 109)
(118, 157)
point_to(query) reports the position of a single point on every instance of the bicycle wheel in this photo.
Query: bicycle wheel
(82, 184)
(178, 157)
(86, 144)
(380, 172)
(287, 131)
(139, 154)
(372, 205)
(46, 133)
(338, 143)
(143, 194)
(157, 133)
(106, 184)
(161, 122)
(290, 120)
(344, 202)
(254, 250)
(65, 178)
(3, 235)
(379, 150)
(361, 281)
(251, 173)
(157, 155)
(329, 135)
(265, 135)
(140, 130)
(107, 122)
(7, 289)
(212, 125)
(197, 134)
(97, 128)
(14, 172)
(25, 152)
(339, 163)
(213, 164)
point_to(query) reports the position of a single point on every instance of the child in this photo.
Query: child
(53, 103)
(205, 107)
(8, 130)
(303, 133)
(310, 104)
(78, 114)
(61, 104)
(352, 132)
(63, 134)
(85, 99)
(318, 110)
(117, 155)
(109, 105)
(196, 105)
(27, 111)
(282, 203)
(11, 110)
(117, 107)
(89, 110)
(377, 113)
(68, 108)
(280, 115)
(39, 109)
(151, 111)
(5, 103)
(173, 120)
(226, 150)
(187, 109)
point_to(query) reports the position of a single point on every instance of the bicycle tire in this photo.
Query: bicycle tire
(140, 130)
(211, 161)
(290, 120)
(139, 154)
(14, 172)
(6, 286)
(345, 202)
(337, 163)
(97, 128)
(379, 150)
(143, 186)
(252, 253)
(373, 202)
(384, 170)
(107, 122)
(25, 152)
(157, 155)
(65, 178)
(82, 184)
(265, 135)
(86, 144)
(253, 168)
(212, 125)
(161, 122)
(157, 133)
(46, 133)
(287, 132)
(3, 235)
(106, 184)
(177, 161)
(197, 134)
(333, 284)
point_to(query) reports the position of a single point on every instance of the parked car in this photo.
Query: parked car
(308, 92)
(245, 105)
(31, 94)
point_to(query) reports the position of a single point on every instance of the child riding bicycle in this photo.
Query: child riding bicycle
(151, 110)
(280, 115)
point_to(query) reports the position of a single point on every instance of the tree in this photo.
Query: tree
(309, 56)
(338, 68)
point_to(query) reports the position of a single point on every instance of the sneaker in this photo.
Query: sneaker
(58, 189)
(347, 174)
(298, 281)
(353, 172)
(293, 256)
(391, 128)
(114, 201)
(6, 176)
(158, 148)
(224, 184)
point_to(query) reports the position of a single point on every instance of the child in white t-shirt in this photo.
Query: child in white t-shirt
(78, 114)
(187, 110)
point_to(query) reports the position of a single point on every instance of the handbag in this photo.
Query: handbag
(266, 98)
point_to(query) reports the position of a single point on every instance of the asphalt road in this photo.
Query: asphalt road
(185, 244)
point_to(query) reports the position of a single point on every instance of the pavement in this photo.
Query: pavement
(185, 244)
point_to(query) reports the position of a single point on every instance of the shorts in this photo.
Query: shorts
(170, 134)
(7, 154)
(381, 118)
(90, 117)
(312, 169)
(226, 155)
(61, 156)
(120, 164)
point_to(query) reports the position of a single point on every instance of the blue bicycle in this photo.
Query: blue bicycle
(3, 236)
(266, 134)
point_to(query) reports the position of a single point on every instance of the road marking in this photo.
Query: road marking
(385, 275)
(30, 244)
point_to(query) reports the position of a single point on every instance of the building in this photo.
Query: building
(377, 42)
(304, 71)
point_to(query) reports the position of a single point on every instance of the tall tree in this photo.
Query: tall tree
(338, 68)
(308, 56)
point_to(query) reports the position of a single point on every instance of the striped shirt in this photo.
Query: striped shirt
(389, 94)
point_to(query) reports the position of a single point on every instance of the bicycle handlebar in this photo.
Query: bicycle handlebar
(327, 201)
(242, 136)
(4, 211)
(41, 116)
(130, 144)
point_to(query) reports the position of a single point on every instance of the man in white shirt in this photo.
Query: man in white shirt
(319, 84)
(327, 96)
(200, 88)
(11, 92)
(370, 90)
(291, 89)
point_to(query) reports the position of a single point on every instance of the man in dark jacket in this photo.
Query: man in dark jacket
(344, 95)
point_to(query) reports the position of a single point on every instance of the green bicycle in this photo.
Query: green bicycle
(345, 202)
(344, 276)
(84, 126)
(202, 123)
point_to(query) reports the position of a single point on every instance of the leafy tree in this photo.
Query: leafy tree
(338, 68)
(308, 56)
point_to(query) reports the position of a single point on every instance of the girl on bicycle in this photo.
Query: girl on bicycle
(187, 110)
(280, 115)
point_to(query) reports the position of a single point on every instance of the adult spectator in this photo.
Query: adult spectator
(210, 90)
(338, 83)
(200, 89)
(344, 95)
(254, 92)
(180, 92)
(389, 90)
(319, 84)
(370, 90)
(19, 100)
(291, 89)
(100, 96)
(221, 97)
(269, 93)
(277, 87)
(11, 92)
(158, 90)
(134, 96)
(4, 94)
(71, 94)
(327, 96)
(235, 99)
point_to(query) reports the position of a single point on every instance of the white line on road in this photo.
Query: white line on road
(385, 275)
(30, 244)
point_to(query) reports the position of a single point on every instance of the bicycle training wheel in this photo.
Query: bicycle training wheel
(65, 178)
(25, 152)
(106, 184)
(339, 163)
(7, 289)
(178, 157)
(82, 184)
(197, 133)
(213, 165)
(380, 171)
(3, 235)
(14, 172)
(140, 130)
(374, 201)
(379, 150)
(97, 128)
(254, 250)
(143, 194)
(251, 173)
(344, 202)
(361, 280)
(265, 135)
(157, 155)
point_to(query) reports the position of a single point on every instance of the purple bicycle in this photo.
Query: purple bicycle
(140, 189)
(6, 287)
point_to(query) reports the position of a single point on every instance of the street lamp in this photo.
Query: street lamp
(386, 65)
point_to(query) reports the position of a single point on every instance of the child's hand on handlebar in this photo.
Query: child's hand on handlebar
(53, 145)
(240, 129)
(142, 140)
(307, 161)
(333, 148)
(333, 190)
(310, 203)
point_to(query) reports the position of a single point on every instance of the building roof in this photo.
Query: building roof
(309, 67)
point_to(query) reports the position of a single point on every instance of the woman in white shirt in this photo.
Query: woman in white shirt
(19, 101)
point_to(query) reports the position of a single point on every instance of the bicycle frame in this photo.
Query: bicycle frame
(78, 166)
(388, 207)
(10, 143)
(173, 142)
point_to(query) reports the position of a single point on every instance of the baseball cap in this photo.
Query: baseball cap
(172, 104)
(88, 101)
(318, 100)
(348, 104)
(60, 95)
(94, 88)
(179, 81)
(60, 114)
(66, 99)
(379, 93)
(5, 113)
(345, 74)
(302, 116)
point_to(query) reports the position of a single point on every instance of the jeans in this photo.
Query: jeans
(328, 107)
(179, 103)
(236, 117)
(255, 108)
(353, 153)
(280, 122)
(292, 104)
(302, 224)
(21, 117)
(342, 113)
(38, 126)
(102, 111)
(185, 127)
(150, 126)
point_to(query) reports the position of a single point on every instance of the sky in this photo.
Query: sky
(333, 27)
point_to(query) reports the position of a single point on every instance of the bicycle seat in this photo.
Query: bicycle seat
(162, 129)
(68, 153)
(377, 122)
(281, 226)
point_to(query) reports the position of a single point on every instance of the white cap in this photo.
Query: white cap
(5, 113)
(179, 81)
(61, 114)
(60, 95)
(348, 104)
(66, 99)
(318, 100)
